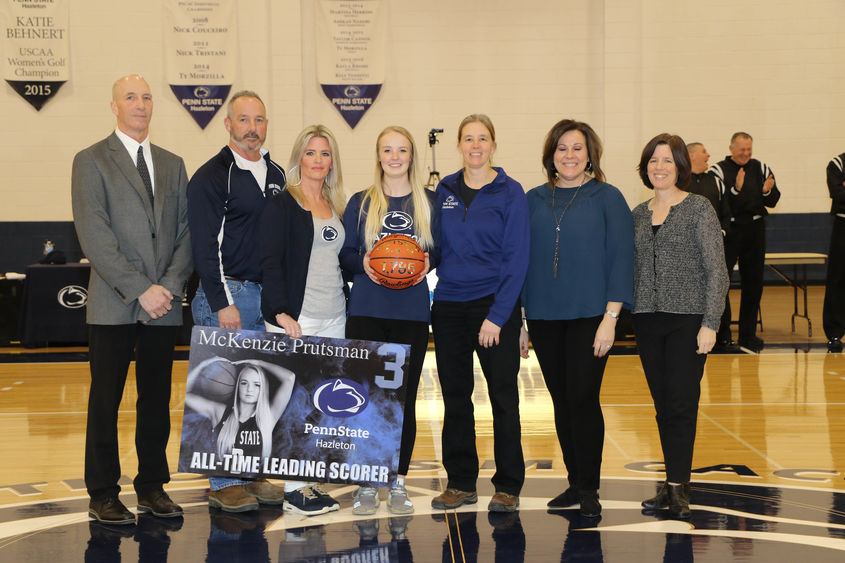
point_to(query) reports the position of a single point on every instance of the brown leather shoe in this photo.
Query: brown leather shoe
(453, 498)
(503, 502)
(265, 492)
(159, 504)
(232, 499)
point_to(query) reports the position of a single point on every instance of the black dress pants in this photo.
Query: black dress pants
(833, 314)
(667, 345)
(573, 376)
(110, 351)
(746, 244)
(456, 326)
(414, 333)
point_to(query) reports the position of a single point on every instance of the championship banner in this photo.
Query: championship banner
(351, 46)
(263, 405)
(200, 45)
(35, 48)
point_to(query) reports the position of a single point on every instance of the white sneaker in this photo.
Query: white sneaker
(365, 501)
(398, 501)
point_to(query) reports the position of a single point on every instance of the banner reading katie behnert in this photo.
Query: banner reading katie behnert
(351, 41)
(200, 45)
(35, 47)
(262, 404)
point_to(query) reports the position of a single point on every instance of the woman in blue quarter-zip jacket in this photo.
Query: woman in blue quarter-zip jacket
(483, 237)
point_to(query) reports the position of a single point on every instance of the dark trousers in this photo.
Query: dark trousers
(746, 244)
(833, 314)
(414, 333)
(573, 376)
(667, 345)
(456, 327)
(110, 351)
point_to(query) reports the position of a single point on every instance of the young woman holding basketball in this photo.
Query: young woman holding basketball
(483, 234)
(396, 203)
(303, 291)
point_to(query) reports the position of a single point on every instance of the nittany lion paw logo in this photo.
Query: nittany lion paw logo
(72, 296)
(397, 221)
(341, 398)
(329, 233)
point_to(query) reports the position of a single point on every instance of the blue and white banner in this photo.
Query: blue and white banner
(351, 46)
(35, 48)
(263, 405)
(200, 45)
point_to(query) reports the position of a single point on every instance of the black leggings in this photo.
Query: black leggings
(667, 344)
(414, 333)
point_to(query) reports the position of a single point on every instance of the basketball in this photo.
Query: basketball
(217, 381)
(397, 260)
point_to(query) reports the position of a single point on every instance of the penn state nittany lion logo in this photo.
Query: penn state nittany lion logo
(340, 398)
(397, 221)
(450, 202)
(352, 92)
(273, 189)
(329, 233)
(72, 296)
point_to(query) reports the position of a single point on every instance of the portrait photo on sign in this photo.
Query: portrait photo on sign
(263, 405)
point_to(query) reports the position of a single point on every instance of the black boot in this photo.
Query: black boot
(679, 501)
(590, 505)
(661, 500)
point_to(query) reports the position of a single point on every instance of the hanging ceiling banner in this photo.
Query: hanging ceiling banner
(200, 45)
(35, 47)
(351, 47)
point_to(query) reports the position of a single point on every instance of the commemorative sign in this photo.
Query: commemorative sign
(35, 48)
(264, 405)
(351, 47)
(200, 41)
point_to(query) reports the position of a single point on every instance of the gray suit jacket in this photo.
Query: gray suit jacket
(130, 245)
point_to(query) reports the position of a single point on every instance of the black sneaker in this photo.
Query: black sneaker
(110, 510)
(752, 343)
(305, 501)
(325, 498)
(590, 505)
(834, 346)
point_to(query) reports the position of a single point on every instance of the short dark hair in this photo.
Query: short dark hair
(679, 154)
(594, 148)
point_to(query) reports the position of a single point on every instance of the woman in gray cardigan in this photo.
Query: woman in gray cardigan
(679, 293)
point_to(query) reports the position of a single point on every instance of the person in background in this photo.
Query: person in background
(303, 292)
(396, 203)
(580, 273)
(483, 235)
(751, 189)
(680, 284)
(833, 313)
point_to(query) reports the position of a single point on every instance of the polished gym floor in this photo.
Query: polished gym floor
(768, 482)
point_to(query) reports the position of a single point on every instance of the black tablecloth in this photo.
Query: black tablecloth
(53, 309)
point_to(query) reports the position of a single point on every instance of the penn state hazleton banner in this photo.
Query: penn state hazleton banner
(200, 45)
(263, 405)
(35, 47)
(351, 47)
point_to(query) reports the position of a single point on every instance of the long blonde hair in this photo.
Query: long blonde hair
(375, 202)
(263, 416)
(333, 185)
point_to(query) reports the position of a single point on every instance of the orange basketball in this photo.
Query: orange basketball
(397, 260)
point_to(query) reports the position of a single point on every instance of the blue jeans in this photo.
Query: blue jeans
(247, 298)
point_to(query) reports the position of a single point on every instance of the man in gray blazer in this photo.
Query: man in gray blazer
(130, 212)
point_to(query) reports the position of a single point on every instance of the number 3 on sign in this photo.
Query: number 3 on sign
(394, 367)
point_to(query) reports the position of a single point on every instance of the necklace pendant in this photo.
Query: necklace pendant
(557, 228)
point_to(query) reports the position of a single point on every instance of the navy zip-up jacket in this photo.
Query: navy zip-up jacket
(484, 247)
(224, 204)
